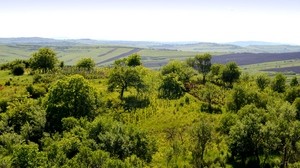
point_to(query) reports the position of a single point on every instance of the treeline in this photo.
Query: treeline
(190, 113)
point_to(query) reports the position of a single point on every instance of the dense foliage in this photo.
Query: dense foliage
(188, 114)
(86, 63)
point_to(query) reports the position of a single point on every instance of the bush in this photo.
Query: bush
(18, 69)
(3, 105)
(36, 91)
(86, 63)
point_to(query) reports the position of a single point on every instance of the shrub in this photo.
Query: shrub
(18, 69)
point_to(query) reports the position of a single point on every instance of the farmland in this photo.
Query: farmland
(251, 58)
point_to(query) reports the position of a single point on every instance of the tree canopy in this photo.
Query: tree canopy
(70, 96)
(86, 63)
(44, 59)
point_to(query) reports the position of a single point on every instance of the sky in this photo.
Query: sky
(153, 20)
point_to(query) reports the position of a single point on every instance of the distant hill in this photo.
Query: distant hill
(234, 47)
(251, 43)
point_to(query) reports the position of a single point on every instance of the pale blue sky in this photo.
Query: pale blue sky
(155, 20)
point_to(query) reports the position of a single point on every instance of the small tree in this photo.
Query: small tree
(122, 78)
(134, 60)
(86, 63)
(171, 87)
(202, 135)
(44, 59)
(70, 97)
(294, 82)
(278, 84)
(262, 81)
(202, 63)
(230, 73)
(18, 69)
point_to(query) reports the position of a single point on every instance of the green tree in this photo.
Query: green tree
(212, 96)
(202, 63)
(262, 81)
(27, 156)
(215, 73)
(230, 73)
(134, 60)
(71, 96)
(122, 78)
(86, 63)
(278, 83)
(44, 59)
(296, 104)
(294, 82)
(180, 69)
(202, 135)
(27, 118)
(18, 69)
(246, 139)
(237, 99)
(171, 87)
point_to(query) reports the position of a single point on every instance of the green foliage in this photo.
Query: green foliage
(294, 82)
(18, 70)
(202, 135)
(123, 78)
(245, 135)
(292, 93)
(122, 141)
(27, 118)
(3, 105)
(171, 87)
(134, 60)
(27, 156)
(278, 83)
(69, 126)
(296, 104)
(86, 63)
(10, 65)
(202, 63)
(36, 91)
(180, 69)
(262, 81)
(212, 96)
(44, 59)
(71, 96)
(230, 73)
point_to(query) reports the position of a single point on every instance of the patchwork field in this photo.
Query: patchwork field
(155, 58)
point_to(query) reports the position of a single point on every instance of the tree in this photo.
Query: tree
(296, 104)
(180, 69)
(86, 63)
(27, 156)
(230, 73)
(237, 99)
(134, 60)
(202, 136)
(18, 69)
(278, 83)
(70, 97)
(27, 118)
(202, 63)
(211, 95)
(44, 59)
(294, 82)
(215, 73)
(262, 81)
(171, 87)
(246, 139)
(122, 78)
